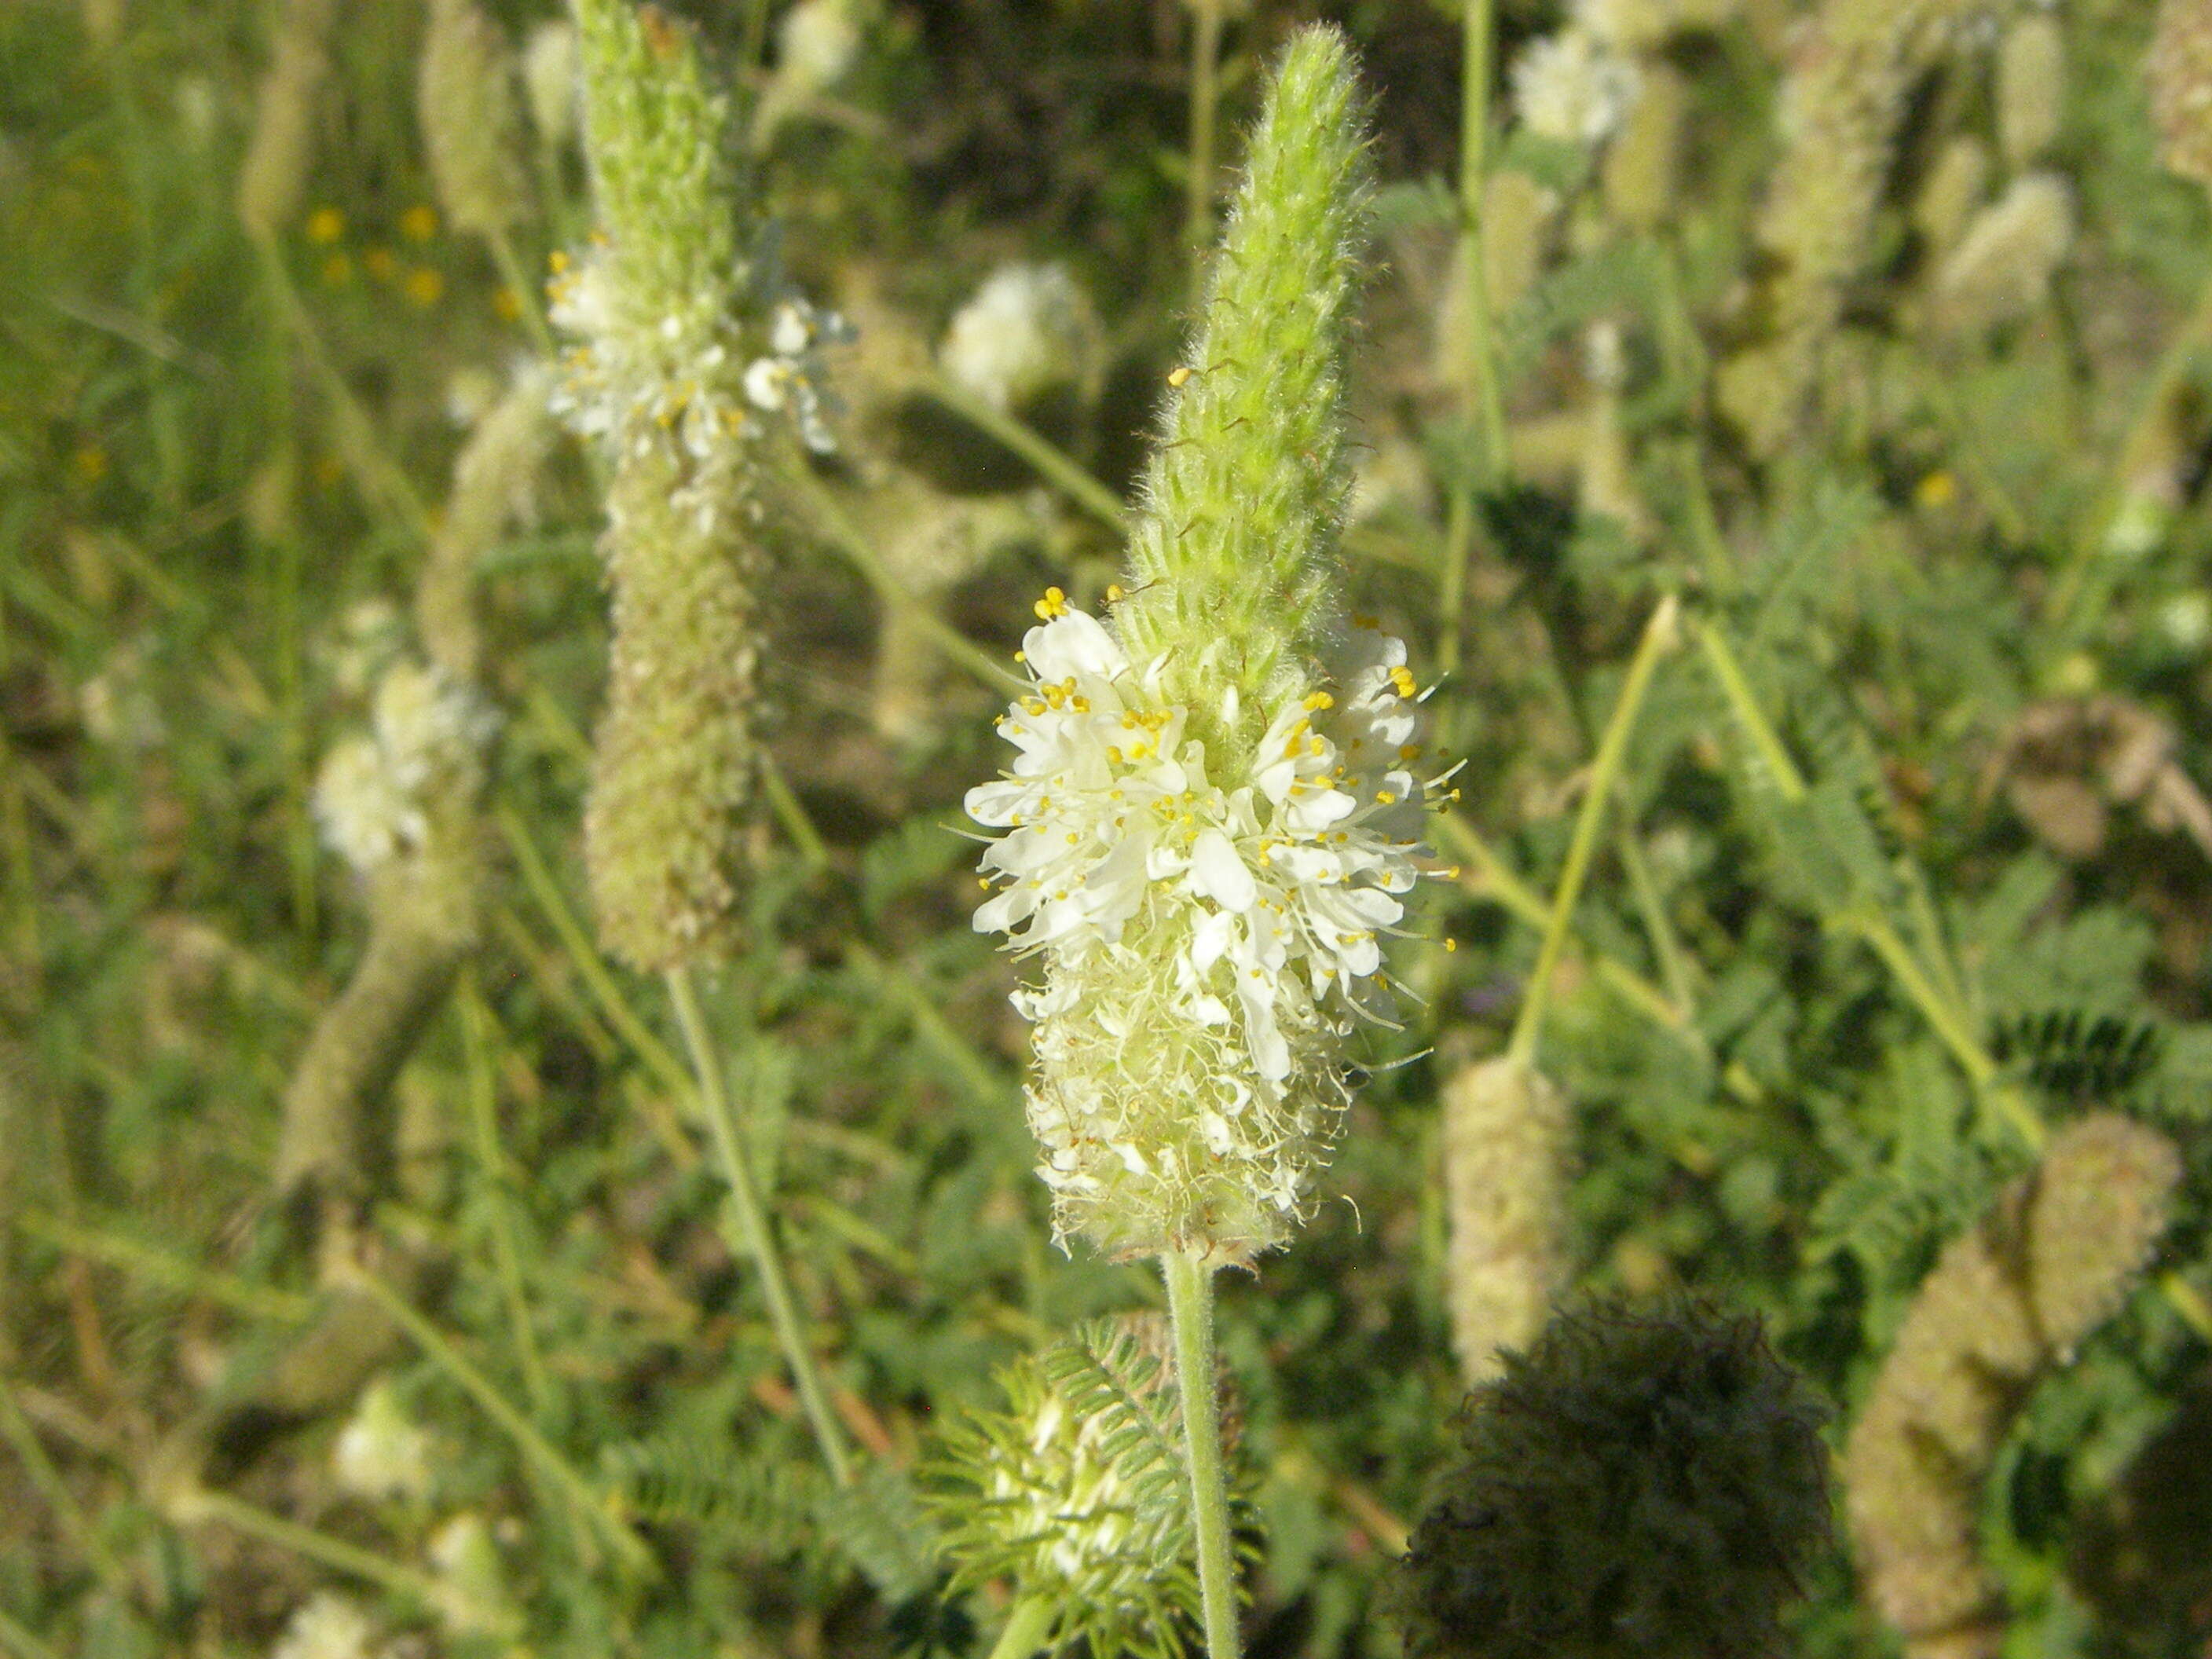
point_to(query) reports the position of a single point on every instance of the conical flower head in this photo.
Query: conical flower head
(1215, 812)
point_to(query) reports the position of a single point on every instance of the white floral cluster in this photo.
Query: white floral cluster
(1576, 86)
(640, 377)
(1210, 928)
(425, 741)
(791, 376)
(382, 1453)
(326, 1626)
(1021, 333)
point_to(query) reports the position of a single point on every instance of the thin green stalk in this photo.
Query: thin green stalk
(1190, 1308)
(174, 1273)
(384, 486)
(845, 536)
(1474, 138)
(529, 308)
(48, 1480)
(624, 1018)
(586, 1501)
(2078, 597)
(1659, 638)
(201, 1505)
(20, 1642)
(1481, 367)
(483, 1113)
(753, 1234)
(1492, 879)
(790, 812)
(1950, 1022)
(1052, 464)
(1205, 101)
(1025, 1631)
(1674, 961)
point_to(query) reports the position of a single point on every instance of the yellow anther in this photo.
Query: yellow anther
(557, 261)
(1054, 604)
(1409, 752)
(1114, 594)
(1113, 754)
(1021, 656)
(1451, 945)
(1074, 840)
(1080, 705)
(1178, 374)
(1401, 679)
(1385, 798)
(1319, 700)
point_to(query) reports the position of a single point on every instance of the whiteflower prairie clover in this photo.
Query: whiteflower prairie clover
(1216, 806)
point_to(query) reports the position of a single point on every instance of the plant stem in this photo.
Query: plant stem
(483, 1113)
(1190, 1307)
(845, 536)
(48, 1480)
(1659, 638)
(335, 1554)
(1204, 99)
(1474, 130)
(586, 1501)
(753, 1233)
(1025, 1629)
(1480, 368)
(1052, 464)
(2078, 598)
(17, 1640)
(528, 308)
(1951, 1023)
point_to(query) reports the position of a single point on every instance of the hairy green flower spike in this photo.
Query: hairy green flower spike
(2180, 68)
(657, 380)
(471, 123)
(1504, 1135)
(2048, 1263)
(673, 764)
(1233, 560)
(1215, 807)
(1632, 1487)
(1075, 1495)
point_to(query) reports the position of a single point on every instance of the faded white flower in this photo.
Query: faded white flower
(817, 41)
(790, 377)
(382, 1454)
(326, 1626)
(1024, 331)
(1574, 87)
(1209, 938)
(427, 738)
